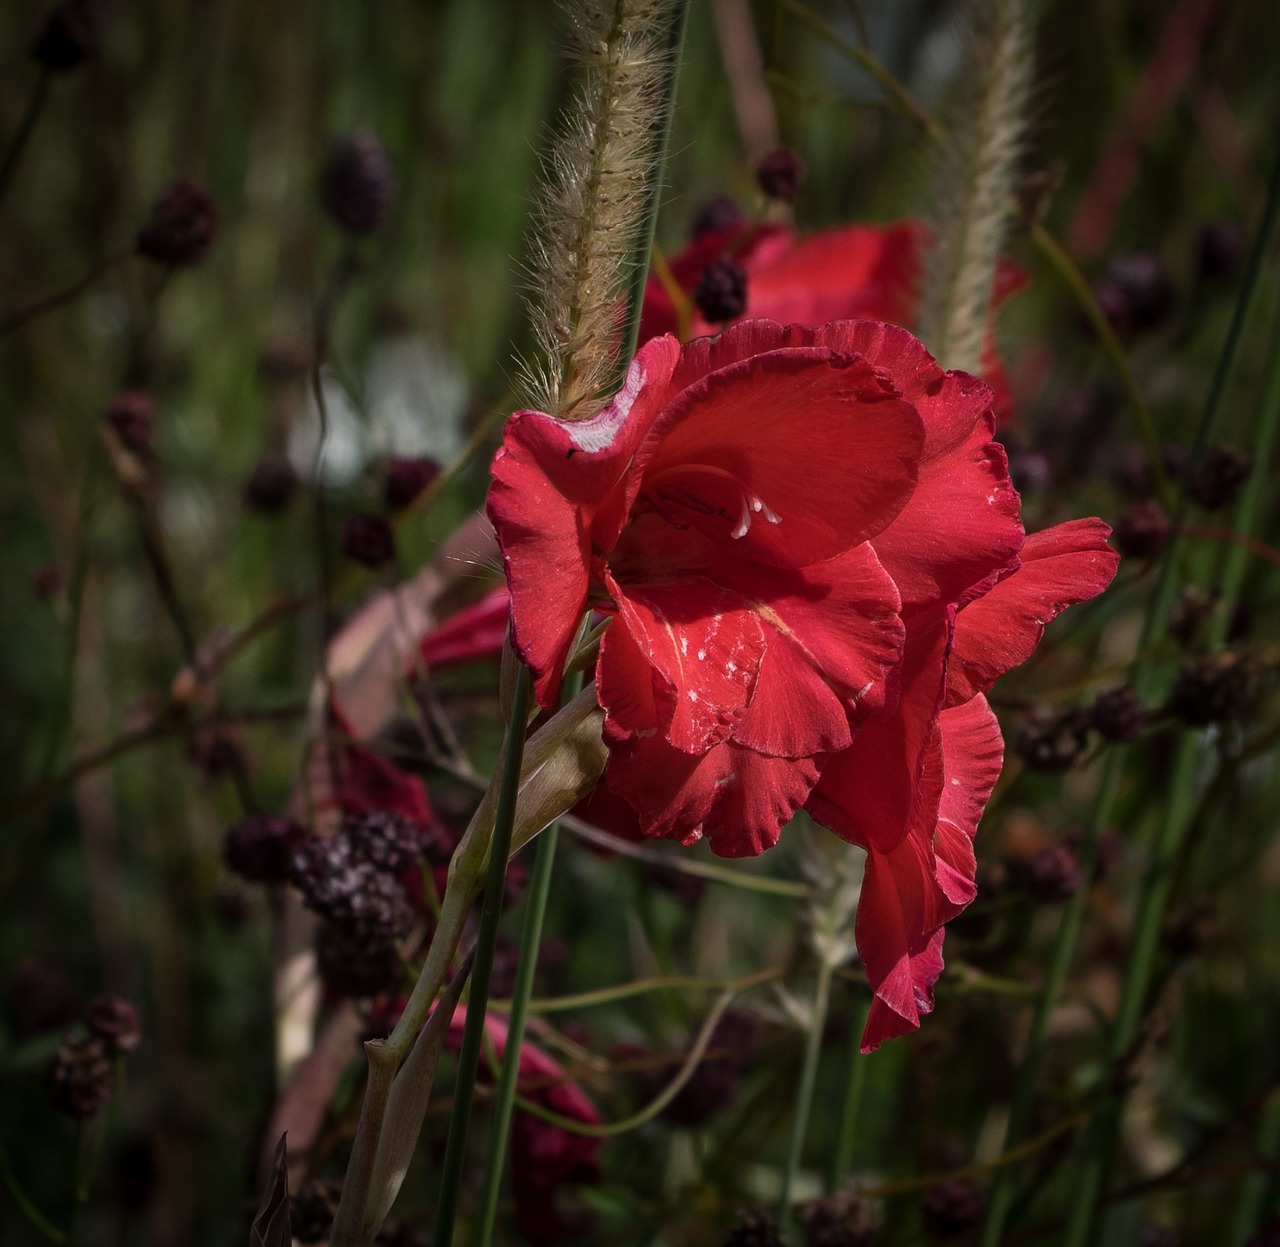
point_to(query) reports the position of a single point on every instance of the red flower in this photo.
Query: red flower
(863, 272)
(814, 558)
(476, 631)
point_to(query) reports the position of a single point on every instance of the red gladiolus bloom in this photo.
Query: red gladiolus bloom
(863, 272)
(816, 566)
(476, 631)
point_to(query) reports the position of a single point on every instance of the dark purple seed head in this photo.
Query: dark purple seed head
(131, 415)
(71, 35)
(182, 226)
(114, 1020)
(1052, 875)
(780, 174)
(718, 213)
(1051, 739)
(262, 847)
(271, 485)
(1219, 247)
(953, 1209)
(358, 184)
(406, 479)
(1118, 714)
(369, 540)
(1143, 531)
(721, 292)
(80, 1078)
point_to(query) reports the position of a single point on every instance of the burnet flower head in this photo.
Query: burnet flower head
(814, 563)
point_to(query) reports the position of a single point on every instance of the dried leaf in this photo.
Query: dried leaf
(270, 1227)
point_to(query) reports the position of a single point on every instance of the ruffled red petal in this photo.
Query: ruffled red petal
(873, 792)
(1060, 566)
(786, 457)
(555, 486)
(704, 643)
(737, 798)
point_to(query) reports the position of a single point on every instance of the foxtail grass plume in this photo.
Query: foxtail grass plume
(975, 182)
(592, 202)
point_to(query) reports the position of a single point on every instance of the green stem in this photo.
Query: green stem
(35, 105)
(1074, 279)
(530, 938)
(1003, 1189)
(804, 1091)
(900, 96)
(25, 1206)
(653, 198)
(851, 1106)
(477, 1003)
(657, 1104)
(640, 987)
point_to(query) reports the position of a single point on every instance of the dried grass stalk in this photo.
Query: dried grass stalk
(974, 195)
(592, 202)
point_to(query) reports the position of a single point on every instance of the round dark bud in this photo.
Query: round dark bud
(72, 34)
(754, 1230)
(46, 582)
(1143, 531)
(368, 540)
(1052, 875)
(718, 213)
(1114, 305)
(351, 966)
(1214, 480)
(358, 185)
(406, 479)
(312, 1209)
(1190, 614)
(1218, 249)
(115, 1021)
(216, 752)
(1213, 688)
(132, 416)
(721, 292)
(1051, 739)
(388, 841)
(1153, 1235)
(80, 1078)
(271, 485)
(1143, 279)
(262, 847)
(182, 226)
(1118, 715)
(1030, 471)
(283, 364)
(838, 1220)
(781, 174)
(1190, 929)
(953, 1209)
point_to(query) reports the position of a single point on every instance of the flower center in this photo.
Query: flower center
(736, 505)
